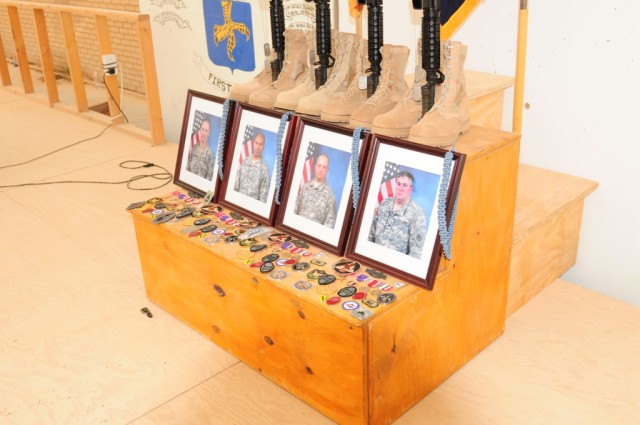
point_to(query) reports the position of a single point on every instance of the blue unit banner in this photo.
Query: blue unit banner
(229, 33)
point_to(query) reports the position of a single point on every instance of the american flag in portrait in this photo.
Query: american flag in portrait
(388, 184)
(247, 149)
(307, 169)
(197, 120)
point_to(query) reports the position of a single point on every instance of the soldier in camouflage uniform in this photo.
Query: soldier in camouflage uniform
(399, 223)
(252, 178)
(316, 200)
(201, 159)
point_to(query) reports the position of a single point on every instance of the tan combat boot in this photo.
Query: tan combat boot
(339, 108)
(241, 92)
(450, 115)
(289, 99)
(344, 70)
(398, 121)
(391, 88)
(294, 69)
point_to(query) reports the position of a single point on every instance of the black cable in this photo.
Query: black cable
(57, 150)
(166, 175)
(111, 95)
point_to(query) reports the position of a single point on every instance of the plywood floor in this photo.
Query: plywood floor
(75, 349)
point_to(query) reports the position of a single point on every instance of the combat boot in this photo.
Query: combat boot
(339, 109)
(241, 92)
(450, 115)
(391, 88)
(294, 69)
(344, 69)
(398, 121)
(289, 99)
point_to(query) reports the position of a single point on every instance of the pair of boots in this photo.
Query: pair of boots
(450, 115)
(295, 87)
(353, 106)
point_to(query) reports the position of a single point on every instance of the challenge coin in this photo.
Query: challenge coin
(386, 298)
(347, 291)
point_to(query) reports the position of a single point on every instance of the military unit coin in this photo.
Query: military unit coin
(160, 206)
(211, 240)
(248, 242)
(346, 266)
(318, 262)
(301, 266)
(362, 313)
(136, 205)
(386, 298)
(278, 274)
(315, 274)
(333, 300)
(270, 258)
(163, 218)
(326, 279)
(350, 305)
(231, 239)
(359, 295)
(369, 302)
(303, 285)
(218, 231)
(347, 291)
(236, 215)
(266, 267)
(201, 221)
(258, 247)
(279, 237)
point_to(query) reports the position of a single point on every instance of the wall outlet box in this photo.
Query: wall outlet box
(109, 61)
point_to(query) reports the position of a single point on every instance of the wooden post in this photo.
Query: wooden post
(73, 60)
(45, 57)
(150, 80)
(5, 77)
(21, 52)
(518, 96)
(111, 81)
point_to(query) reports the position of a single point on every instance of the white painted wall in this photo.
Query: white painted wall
(581, 85)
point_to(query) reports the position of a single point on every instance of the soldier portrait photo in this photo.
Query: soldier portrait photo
(405, 202)
(322, 184)
(255, 163)
(201, 158)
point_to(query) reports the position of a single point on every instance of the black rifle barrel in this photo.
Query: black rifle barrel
(276, 12)
(430, 50)
(376, 40)
(323, 41)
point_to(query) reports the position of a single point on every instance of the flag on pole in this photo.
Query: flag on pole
(388, 185)
(355, 8)
(307, 170)
(453, 13)
(247, 148)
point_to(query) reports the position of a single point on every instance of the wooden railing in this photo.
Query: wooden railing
(100, 16)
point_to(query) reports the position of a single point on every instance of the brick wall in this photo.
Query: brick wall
(124, 40)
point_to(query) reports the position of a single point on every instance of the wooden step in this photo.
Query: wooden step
(546, 230)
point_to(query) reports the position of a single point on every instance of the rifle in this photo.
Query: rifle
(276, 12)
(374, 30)
(430, 50)
(323, 41)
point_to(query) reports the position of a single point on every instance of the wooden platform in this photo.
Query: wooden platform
(546, 230)
(77, 350)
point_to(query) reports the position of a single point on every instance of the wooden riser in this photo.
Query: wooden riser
(546, 230)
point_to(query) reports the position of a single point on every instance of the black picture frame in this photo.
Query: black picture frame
(196, 165)
(403, 243)
(249, 185)
(306, 210)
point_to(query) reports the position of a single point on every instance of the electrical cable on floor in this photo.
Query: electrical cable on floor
(57, 150)
(165, 176)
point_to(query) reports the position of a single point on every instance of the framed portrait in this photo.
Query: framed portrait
(317, 203)
(396, 223)
(197, 165)
(250, 171)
